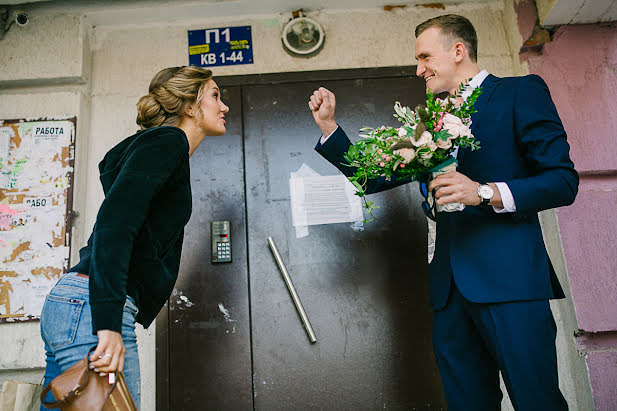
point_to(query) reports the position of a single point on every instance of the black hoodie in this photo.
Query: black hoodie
(136, 243)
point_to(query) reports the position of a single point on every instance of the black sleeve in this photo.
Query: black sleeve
(334, 150)
(147, 167)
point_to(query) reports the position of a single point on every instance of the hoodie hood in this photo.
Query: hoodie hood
(115, 155)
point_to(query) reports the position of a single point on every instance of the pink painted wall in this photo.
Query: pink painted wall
(580, 67)
(601, 366)
(589, 235)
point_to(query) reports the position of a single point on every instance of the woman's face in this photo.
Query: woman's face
(211, 115)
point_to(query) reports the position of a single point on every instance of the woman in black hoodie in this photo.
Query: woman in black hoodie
(127, 270)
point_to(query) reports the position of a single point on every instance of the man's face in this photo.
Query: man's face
(436, 63)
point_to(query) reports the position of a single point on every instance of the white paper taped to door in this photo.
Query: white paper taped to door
(324, 200)
(304, 171)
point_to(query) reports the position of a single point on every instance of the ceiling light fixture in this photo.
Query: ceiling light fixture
(303, 37)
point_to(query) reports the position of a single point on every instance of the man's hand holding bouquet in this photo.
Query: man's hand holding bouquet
(418, 150)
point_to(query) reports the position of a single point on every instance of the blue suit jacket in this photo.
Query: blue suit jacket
(498, 257)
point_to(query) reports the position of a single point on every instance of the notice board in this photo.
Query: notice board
(36, 180)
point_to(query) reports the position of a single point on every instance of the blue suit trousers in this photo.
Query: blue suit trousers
(473, 341)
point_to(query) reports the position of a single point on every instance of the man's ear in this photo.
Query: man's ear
(460, 51)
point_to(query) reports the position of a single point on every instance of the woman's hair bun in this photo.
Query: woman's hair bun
(150, 113)
(172, 91)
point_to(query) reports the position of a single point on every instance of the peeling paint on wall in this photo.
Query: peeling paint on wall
(35, 174)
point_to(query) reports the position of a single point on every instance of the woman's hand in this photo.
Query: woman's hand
(109, 354)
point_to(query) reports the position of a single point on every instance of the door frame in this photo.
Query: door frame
(162, 346)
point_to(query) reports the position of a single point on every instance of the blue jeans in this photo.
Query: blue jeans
(66, 328)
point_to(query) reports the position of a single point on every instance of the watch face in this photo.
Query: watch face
(485, 191)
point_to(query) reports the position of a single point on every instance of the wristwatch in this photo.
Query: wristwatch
(486, 193)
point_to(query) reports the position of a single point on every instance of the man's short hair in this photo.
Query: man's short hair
(455, 28)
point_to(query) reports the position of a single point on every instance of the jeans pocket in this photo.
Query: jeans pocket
(59, 320)
(130, 307)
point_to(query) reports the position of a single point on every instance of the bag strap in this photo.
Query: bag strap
(110, 391)
(81, 385)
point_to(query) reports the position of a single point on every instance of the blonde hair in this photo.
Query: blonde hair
(171, 92)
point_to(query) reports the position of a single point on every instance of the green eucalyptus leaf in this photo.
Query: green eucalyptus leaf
(441, 135)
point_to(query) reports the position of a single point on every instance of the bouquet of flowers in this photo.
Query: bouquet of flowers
(422, 145)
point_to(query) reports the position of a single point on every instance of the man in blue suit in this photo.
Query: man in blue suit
(490, 279)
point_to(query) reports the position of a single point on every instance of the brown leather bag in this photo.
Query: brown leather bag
(79, 388)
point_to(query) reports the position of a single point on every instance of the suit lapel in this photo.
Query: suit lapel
(488, 86)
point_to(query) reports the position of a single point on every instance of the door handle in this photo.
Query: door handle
(292, 291)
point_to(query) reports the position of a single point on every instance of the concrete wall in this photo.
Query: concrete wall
(544, 7)
(580, 67)
(41, 77)
(573, 373)
(106, 67)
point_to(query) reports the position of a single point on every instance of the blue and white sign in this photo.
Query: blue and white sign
(224, 46)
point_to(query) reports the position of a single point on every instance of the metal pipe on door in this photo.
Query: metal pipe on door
(292, 291)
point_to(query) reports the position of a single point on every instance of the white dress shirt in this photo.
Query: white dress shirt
(504, 191)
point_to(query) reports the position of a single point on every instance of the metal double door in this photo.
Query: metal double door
(230, 336)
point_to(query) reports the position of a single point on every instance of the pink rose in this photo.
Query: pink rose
(454, 126)
(382, 164)
(402, 132)
(452, 119)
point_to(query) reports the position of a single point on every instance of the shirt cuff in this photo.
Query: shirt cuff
(506, 199)
(323, 138)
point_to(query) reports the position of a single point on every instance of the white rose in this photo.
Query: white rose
(466, 132)
(407, 154)
(424, 139)
(445, 144)
(432, 145)
(402, 132)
